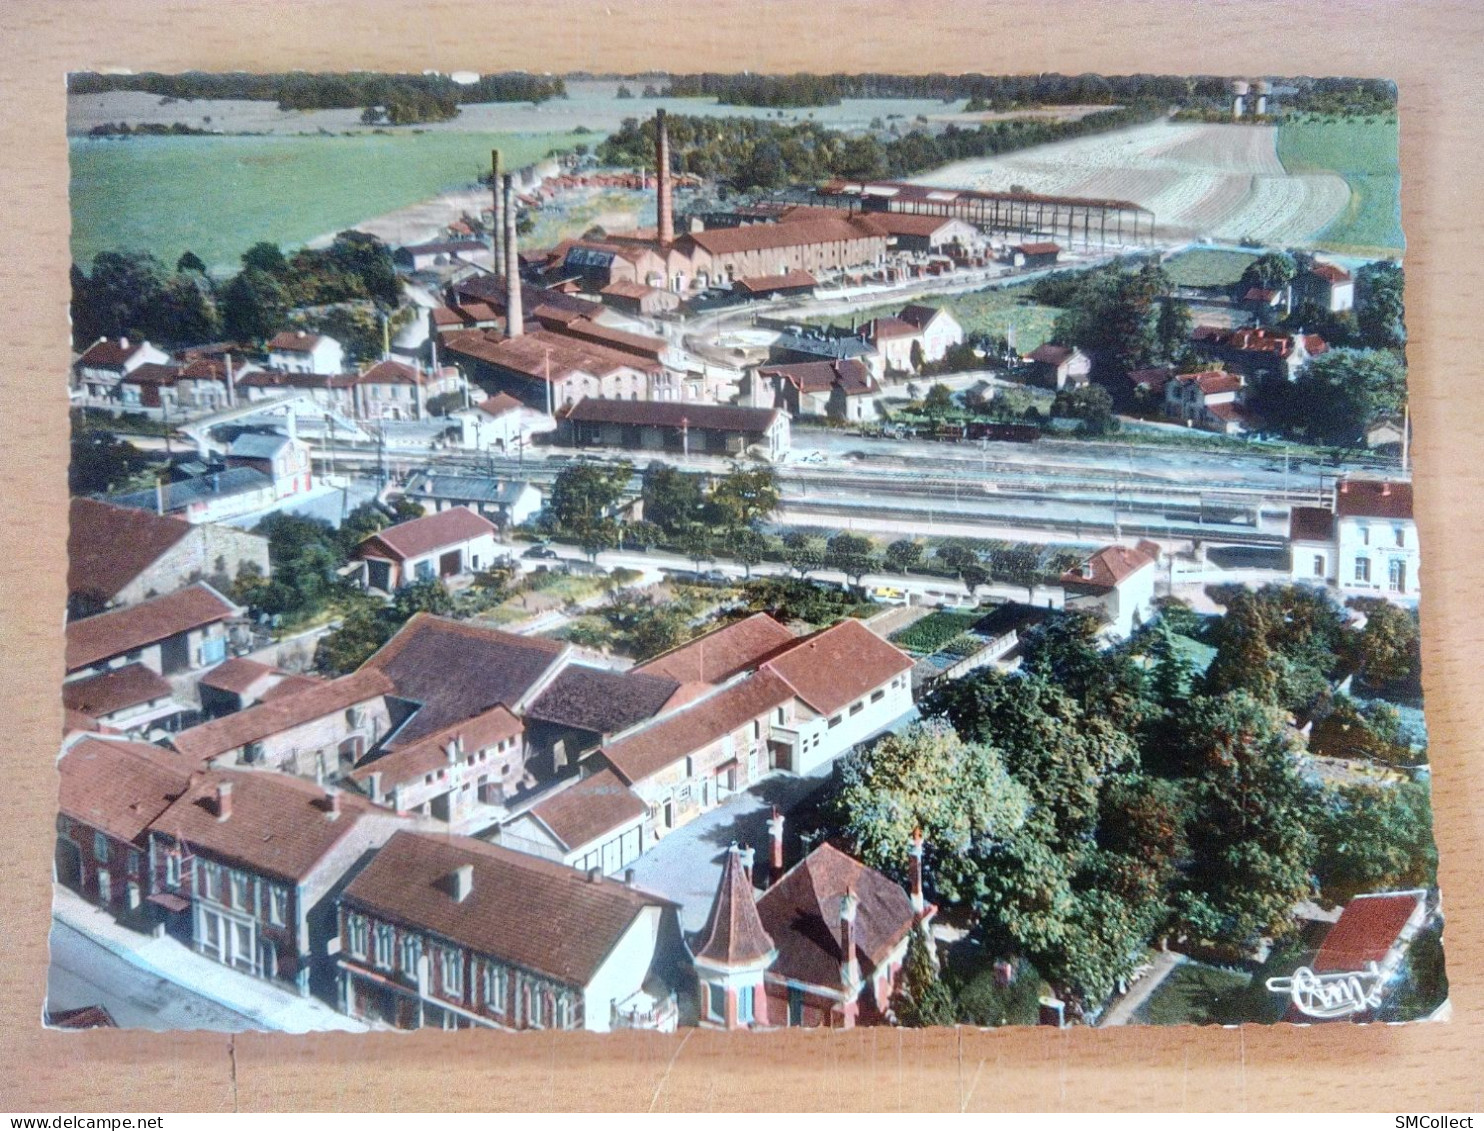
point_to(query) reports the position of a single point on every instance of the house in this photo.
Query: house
(639, 298)
(454, 933)
(318, 730)
(1257, 352)
(123, 555)
(449, 543)
(790, 284)
(105, 363)
(1147, 386)
(216, 496)
(1267, 304)
(498, 424)
(180, 632)
(1210, 400)
(331, 392)
(1369, 940)
(1376, 551)
(1056, 367)
(916, 335)
(111, 792)
(443, 253)
(151, 385)
(247, 862)
(674, 427)
(297, 351)
(1311, 544)
(391, 390)
(920, 234)
(1032, 256)
(505, 502)
(546, 370)
(820, 948)
(209, 383)
(239, 683)
(794, 707)
(1330, 287)
(805, 345)
(283, 459)
(1117, 582)
(841, 390)
(131, 700)
(593, 822)
(582, 707)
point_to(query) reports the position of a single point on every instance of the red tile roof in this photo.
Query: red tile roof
(1366, 931)
(733, 935)
(532, 913)
(589, 809)
(763, 284)
(801, 912)
(273, 379)
(499, 405)
(643, 346)
(1108, 568)
(910, 224)
(152, 373)
(646, 751)
(109, 353)
(109, 546)
(425, 535)
(1042, 248)
(1311, 524)
(294, 341)
(1153, 379)
(529, 354)
(624, 289)
(1212, 381)
(722, 652)
(232, 732)
(891, 328)
(1227, 412)
(94, 639)
(280, 825)
(765, 237)
(119, 787)
(834, 667)
(601, 701)
(392, 373)
(1373, 498)
(1050, 354)
(918, 314)
(852, 375)
(115, 690)
(405, 764)
(673, 414)
(1330, 273)
(237, 675)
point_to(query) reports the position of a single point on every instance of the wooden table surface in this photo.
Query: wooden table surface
(1433, 51)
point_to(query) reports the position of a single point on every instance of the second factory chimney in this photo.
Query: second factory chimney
(514, 318)
(662, 179)
(497, 214)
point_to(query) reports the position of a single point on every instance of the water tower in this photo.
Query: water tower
(1239, 97)
(1262, 88)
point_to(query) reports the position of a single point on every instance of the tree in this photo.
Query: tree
(623, 91)
(1379, 307)
(1017, 565)
(1388, 648)
(939, 401)
(745, 496)
(696, 544)
(851, 554)
(1091, 404)
(957, 557)
(190, 261)
(803, 552)
(266, 257)
(254, 305)
(585, 493)
(598, 536)
(1375, 838)
(921, 999)
(1172, 332)
(916, 357)
(672, 498)
(1271, 271)
(748, 547)
(1342, 392)
(974, 577)
(121, 298)
(354, 641)
(902, 555)
(427, 596)
(101, 462)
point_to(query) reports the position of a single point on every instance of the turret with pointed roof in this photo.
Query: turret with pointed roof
(732, 952)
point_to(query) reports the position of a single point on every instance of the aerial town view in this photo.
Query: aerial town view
(657, 551)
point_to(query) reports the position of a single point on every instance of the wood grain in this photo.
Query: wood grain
(1431, 49)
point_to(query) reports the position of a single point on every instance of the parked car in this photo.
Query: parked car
(888, 595)
(540, 550)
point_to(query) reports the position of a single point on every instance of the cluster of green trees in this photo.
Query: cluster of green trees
(146, 129)
(133, 294)
(1119, 316)
(750, 153)
(101, 463)
(413, 97)
(1099, 800)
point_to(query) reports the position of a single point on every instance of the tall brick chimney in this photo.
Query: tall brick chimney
(497, 216)
(914, 869)
(223, 800)
(849, 967)
(514, 318)
(775, 849)
(662, 179)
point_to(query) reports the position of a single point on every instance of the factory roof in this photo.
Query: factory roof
(671, 414)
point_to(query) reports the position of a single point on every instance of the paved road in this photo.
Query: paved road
(84, 973)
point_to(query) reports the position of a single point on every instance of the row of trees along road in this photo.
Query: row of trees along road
(1098, 801)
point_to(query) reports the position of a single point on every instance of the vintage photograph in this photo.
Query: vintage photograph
(657, 551)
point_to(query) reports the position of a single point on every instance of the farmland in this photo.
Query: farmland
(997, 311)
(217, 196)
(1208, 267)
(1200, 180)
(1365, 153)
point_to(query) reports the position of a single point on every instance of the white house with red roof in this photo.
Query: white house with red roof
(1117, 582)
(1055, 366)
(298, 351)
(916, 333)
(1328, 285)
(447, 544)
(108, 361)
(1365, 545)
(1211, 400)
(499, 424)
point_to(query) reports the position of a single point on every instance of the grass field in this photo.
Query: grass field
(1365, 152)
(934, 630)
(1208, 267)
(994, 311)
(217, 196)
(1196, 994)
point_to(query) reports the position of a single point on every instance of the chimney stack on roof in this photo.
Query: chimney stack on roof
(775, 854)
(595, 875)
(662, 177)
(514, 318)
(849, 968)
(223, 800)
(462, 882)
(332, 804)
(1386, 488)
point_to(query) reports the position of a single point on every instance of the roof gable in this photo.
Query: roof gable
(109, 634)
(420, 536)
(832, 668)
(109, 546)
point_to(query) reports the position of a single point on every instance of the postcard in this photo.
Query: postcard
(644, 552)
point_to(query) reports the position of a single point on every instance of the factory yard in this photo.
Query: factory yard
(1201, 181)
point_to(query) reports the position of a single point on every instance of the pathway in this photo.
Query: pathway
(1123, 1010)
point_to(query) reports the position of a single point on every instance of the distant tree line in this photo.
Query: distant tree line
(751, 154)
(146, 129)
(403, 98)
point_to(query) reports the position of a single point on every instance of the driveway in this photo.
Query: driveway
(686, 865)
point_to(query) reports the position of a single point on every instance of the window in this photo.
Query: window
(1365, 534)
(355, 929)
(835, 721)
(537, 1011)
(1318, 565)
(383, 946)
(744, 1004)
(878, 695)
(564, 1012)
(105, 886)
(211, 937)
(1397, 575)
(278, 906)
(100, 848)
(716, 1002)
(172, 870)
(452, 971)
(495, 988)
(858, 707)
(1401, 534)
(423, 571)
(211, 881)
(412, 950)
(136, 862)
(239, 890)
(1363, 570)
